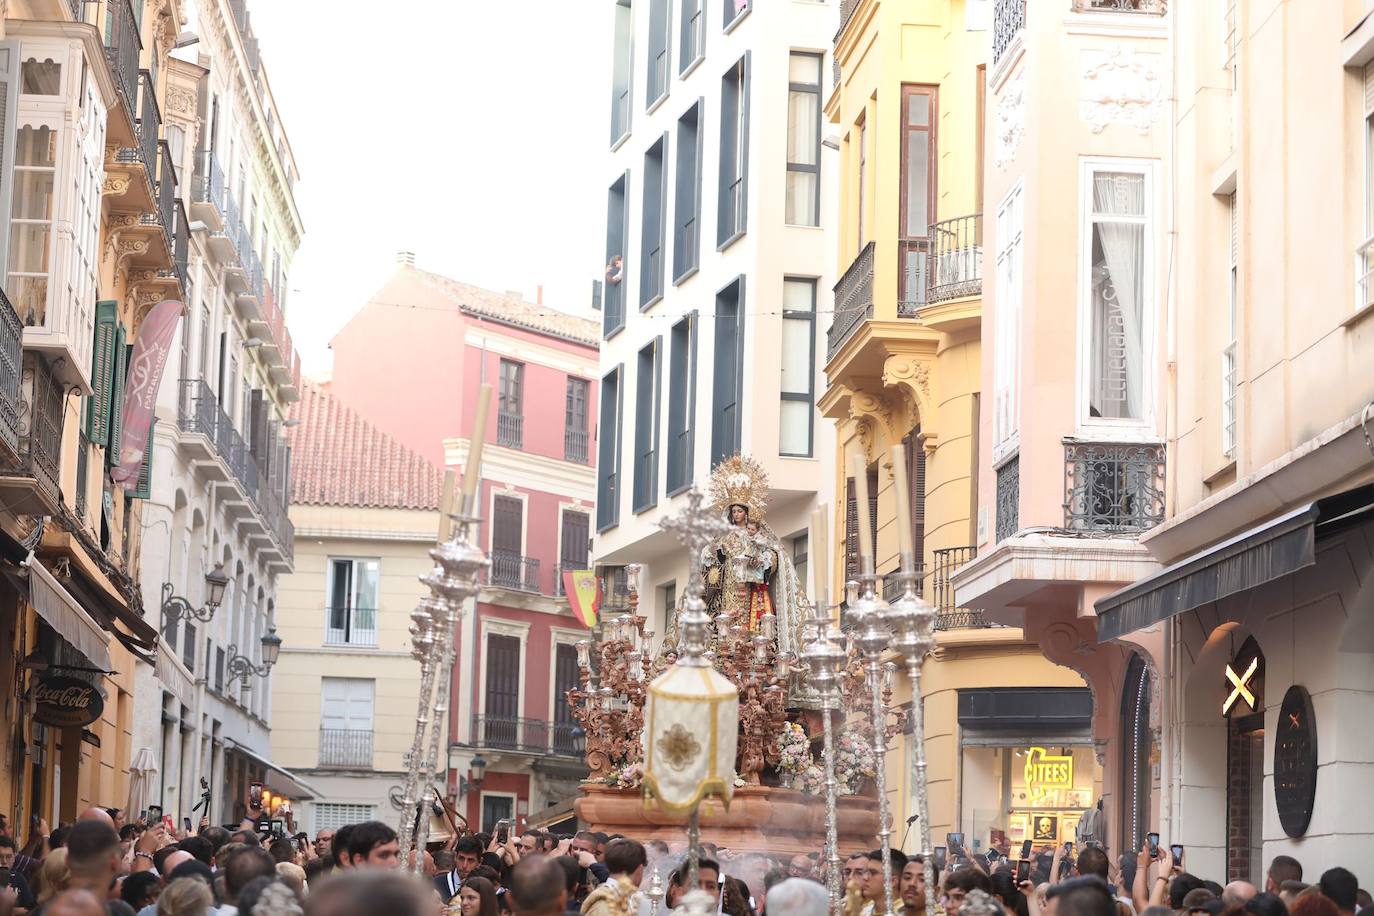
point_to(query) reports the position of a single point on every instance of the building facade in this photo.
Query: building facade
(903, 365)
(718, 241)
(366, 513)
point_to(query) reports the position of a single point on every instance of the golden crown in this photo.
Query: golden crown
(740, 481)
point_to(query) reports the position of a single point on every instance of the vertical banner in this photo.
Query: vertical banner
(581, 588)
(153, 344)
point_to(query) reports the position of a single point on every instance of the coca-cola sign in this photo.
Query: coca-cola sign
(66, 702)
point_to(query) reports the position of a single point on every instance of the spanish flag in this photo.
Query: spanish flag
(584, 594)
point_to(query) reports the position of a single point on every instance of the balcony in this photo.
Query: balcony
(122, 49)
(33, 485)
(563, 567)
(1112, 488)
(511, 570)
(956, 269)
(208, 190)
(1008, 513)
(11, 381)
(346, 748)
(853, 301)
(576, 445)
(527, 736)
(948, 615)
(1149, 7)
(351, 627)
(510, 429)
(1008, 19)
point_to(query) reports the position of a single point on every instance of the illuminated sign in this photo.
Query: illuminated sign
(1046, 772)
(1240, 687)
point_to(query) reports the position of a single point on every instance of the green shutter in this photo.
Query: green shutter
(143, 489)
(121, 366)
(102, 374)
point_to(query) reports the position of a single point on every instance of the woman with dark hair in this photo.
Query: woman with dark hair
(1265, 905)
(1006, 893)
(477, 897)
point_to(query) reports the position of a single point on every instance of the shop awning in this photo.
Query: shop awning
(285, 782)
(65, 614)
(1277, 548)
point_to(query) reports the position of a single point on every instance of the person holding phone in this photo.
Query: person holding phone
(12, 879)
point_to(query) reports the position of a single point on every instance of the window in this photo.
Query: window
(654, 229)
(803, 207)
(510, 409)
(219, 670)
(508, 542)
(575, 437)
(346, 708)
(801, 548)
(692, 45)
(668, 599)
(332, 816)
(918, 191)
(40, 77)
(682, 400)
(188, 647)
(734, 153)
(496, 808)
(502, 695)
(31, 216)
(565, 677)
(660, 39)
(916, 495)
(646, 425)
(608, 452)
(687, 195)
(352, 612)
(863, 181)
(727, 388)
(798, 387)
(617, 219)
(621, 78)
(1114, 369)
(573, 541)
(1228, 353)
(735, 10)
(1007, 324)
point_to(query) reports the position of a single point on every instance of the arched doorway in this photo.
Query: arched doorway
(1136, 753)
(1244, 711)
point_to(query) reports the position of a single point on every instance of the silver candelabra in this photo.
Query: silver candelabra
(825, 659)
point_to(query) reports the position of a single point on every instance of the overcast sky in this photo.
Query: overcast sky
(468, 131)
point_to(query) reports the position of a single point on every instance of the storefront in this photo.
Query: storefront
(1027, 764)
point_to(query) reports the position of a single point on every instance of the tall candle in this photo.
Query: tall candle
(859, 468)
(473, 471)
(819, 548)
(446, 506)
(903, 504)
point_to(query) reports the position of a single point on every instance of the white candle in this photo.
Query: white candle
(819, 548)
(473, 471)
(859, 468)
(903, 503)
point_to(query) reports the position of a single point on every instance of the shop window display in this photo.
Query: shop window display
(1031, 792)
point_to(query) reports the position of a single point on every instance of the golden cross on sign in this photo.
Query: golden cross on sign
(1239, 686)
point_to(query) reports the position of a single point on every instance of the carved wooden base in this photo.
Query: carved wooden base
(767, 819)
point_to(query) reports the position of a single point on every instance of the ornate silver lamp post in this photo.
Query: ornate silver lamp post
(825, 658)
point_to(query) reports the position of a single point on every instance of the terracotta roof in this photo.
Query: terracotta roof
(513, 310)
(339, 459)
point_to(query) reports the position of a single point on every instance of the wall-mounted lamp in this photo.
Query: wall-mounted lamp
(175, 607)
(477, 773)
(241, 666)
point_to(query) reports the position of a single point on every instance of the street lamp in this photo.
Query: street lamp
(174, 607)
(477, 772)
(240, 666)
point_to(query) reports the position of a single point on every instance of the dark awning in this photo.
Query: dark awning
(1056, 709)
(1277, 548)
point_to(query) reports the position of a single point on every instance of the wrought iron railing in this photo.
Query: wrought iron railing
(853, 301)
(576, 445)
(512, 570)
(149, 129)
(529, 736)
(181, 246)
(957, 263)
(40, 432)
(166, 193)
(1008, 514)
(350, 626)
(122, 49)
(732, 217)
(1008, 19)
(913, 259)
(1153, 7)
(566, 566)
(346, 748)
(207, 183)
(11, 376)
(1113, 487)
(1364, 273)
(949, 615)
(77, 9)
(510, 429)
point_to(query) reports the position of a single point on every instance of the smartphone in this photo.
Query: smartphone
(956, 843)
(1023, 870)
(1068, 848)
(502, 832)
(1026, 849)
(186, 825)
(255, 795)
(938, 859)
(1153, 840)
(1177, 850)
(154, 815)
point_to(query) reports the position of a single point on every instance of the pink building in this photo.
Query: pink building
(411, 362)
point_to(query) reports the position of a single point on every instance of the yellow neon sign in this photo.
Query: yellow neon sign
(1046, 772)
(1240, 686)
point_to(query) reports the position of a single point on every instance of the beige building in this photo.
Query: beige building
(366, 511)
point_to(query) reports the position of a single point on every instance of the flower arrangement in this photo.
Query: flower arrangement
(629, 776)
(853, 762)
(811, 780)
(794, 752)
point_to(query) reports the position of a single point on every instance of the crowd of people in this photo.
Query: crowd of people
(101, 866)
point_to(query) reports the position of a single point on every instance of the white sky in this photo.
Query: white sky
(468, 131)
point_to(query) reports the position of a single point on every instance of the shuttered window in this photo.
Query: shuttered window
(727, 389)
(102, 373)
(573, 540)
(654, 223)
(682, 403)
(608, 452)
(507, 525)
(851, 531)
(121, 367)
(565, 678)
(502, 686)
(659, 40)
(687, 195)
(647, 385)
(916, 475)
(732, 210)
(617, 235)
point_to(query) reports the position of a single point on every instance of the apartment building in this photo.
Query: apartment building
(903, 365)
(718, 245)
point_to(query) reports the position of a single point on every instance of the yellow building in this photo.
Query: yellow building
(903, 366)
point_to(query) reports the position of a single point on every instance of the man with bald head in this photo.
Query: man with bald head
(1237, 893)
(97, 814)
(74, 903)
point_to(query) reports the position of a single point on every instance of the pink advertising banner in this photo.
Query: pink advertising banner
(151, 348)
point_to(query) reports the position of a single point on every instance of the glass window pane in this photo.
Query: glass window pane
(796, 355)
(40, 77)
(33, 195)
(29, 247)
(804, 68)
(917, 184)
(1118, 194)
(797, 295)
(794, 428)
(366, 585)
(29, 296)
(801, 200)
(918, 109)
(803, 113)
(37, 146)
(1116, 380)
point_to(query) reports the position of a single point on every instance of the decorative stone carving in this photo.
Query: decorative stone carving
(115, 184)
(910, 374)
(864, 427)
(1120, 86)
(181, 102)
(1010, 124)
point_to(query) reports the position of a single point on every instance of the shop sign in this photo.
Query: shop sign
(1046, 772)
(1045, 828)
(1295, 761)
(66, 702)
(1239, 685)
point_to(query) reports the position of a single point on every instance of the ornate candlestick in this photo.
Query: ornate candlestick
(825, 657)
(655, 891)
(871, 635)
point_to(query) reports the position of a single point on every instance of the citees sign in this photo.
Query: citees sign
(66, 702)
(1046, 772)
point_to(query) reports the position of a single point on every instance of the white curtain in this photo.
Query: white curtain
(1116, 387)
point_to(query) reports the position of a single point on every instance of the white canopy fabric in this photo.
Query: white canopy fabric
(142, 777)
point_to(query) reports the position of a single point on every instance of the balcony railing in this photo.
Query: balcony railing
(1113, 488)
(1364, 274)
(1152, 7)
(733, 214)
(122, 48)
(40, 430)
(1008, 19)
(346, 748)
(181, 244)
(853, 301)
(510, 429)
(166, 193)
(567, 566)
(1008, 512)
(207, 184)
(575, 445)
(528, 736)
(914, 257)
(948, 615)
(350, 626)
(511, 570)
(957, 268)
(11, 376)
(149, 128)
